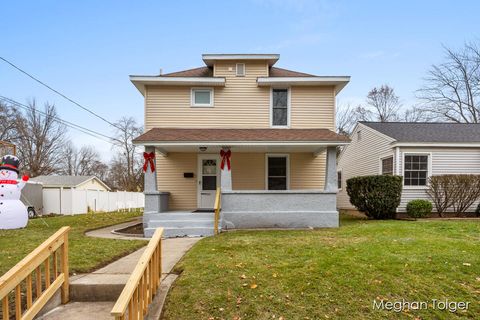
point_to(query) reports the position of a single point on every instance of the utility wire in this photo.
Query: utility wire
(87, 131)
(59, 93)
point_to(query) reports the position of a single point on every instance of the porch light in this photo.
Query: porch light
(202, 149)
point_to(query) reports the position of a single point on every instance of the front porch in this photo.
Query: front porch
(267, 184)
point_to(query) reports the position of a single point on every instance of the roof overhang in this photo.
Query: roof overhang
(210, 59)
(339, 82)
(141, 81)
(437, 144)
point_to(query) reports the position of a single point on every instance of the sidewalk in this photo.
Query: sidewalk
(93, 295)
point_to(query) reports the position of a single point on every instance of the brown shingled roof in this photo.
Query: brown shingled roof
(196, 72)
(240, 135)
(208, 72)
(279, 72)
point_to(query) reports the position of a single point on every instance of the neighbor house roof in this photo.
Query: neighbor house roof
(421, 132)
(239, 135)
(66, 181)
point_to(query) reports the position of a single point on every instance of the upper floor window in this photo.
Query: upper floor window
(415, 170)
(280, 107)
(202, 97)
(240, 72)
(339, 180)
(387, 166)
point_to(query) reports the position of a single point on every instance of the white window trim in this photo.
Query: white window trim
(383, 157)
(429, 168)
(341, 180)
(289, 98)
(277, 155)
(236, 70)
(200, 105)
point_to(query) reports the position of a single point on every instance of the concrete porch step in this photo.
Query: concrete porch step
(177, 223)
(171, 232)
(177, 215)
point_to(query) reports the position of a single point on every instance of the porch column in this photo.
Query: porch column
(226, 172)
(155, 201)
(331, 170)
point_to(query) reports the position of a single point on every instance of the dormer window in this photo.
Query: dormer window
(202, 97)
(240, 70)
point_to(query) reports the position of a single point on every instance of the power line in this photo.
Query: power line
(59, 93)
(69, 124)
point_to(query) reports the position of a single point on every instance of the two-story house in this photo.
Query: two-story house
(265, 135)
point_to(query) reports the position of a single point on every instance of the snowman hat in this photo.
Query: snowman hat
(10, 162)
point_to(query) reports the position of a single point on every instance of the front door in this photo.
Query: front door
(208, 180)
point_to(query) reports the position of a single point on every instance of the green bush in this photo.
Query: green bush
(376, 196)
(419, 208)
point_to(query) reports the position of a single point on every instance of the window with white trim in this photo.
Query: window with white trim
(339, 180)
(277, 171)
(240, 72)
(280, 107)
(387, 166)
(202, 97)
(415, 170)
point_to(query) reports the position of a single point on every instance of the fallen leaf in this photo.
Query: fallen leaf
(243, 276)
(467, 264)
(274, 275)
(253, 286)
(221, 309)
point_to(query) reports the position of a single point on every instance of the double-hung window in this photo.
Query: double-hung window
(339, 180)
(415, 170)
(280, 107)
(202, 97)
(277, 172)
(387, 166)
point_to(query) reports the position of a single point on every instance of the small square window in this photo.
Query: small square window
(415, 170)
(202, 98)
(240, 70)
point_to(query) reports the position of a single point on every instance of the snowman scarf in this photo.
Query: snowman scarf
(8, 182)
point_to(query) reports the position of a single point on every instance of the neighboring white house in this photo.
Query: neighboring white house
(72, 182)
(82, 194)
(412, 150)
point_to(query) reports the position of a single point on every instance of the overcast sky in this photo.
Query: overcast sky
(87, 49)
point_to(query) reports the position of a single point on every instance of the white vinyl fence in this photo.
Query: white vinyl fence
(71, 201)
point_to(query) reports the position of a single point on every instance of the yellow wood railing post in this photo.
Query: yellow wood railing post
(217, 208)
(22, 273)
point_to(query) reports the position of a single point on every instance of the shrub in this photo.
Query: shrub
(376, 196)
(419, 208)
(477, 211)
(457, 191)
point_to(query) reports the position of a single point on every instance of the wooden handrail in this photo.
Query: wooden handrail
(46, 254)
(217, 207)
(143, 282)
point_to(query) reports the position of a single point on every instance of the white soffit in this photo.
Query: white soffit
(141, 81)
(210, 59)
(338, 81)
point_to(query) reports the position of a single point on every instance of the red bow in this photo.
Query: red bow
(148, 160)
(225, 157)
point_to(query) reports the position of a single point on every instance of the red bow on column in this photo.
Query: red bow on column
(148, 157)
(225, 157)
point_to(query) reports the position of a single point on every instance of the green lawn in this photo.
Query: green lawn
(330, 273)
(85, 254)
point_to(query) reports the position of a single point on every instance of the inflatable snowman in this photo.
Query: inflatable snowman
(13, 213)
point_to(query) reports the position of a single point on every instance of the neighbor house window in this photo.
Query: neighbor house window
(339, 179)
(279, 107)
(202, 97)
(387, 166)
(240, 69)
(277, 171)
(415, 170)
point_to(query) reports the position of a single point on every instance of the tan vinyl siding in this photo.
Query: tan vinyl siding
(183, 191)
(240, 104)
(362, 158)
(307, 171)
(248, 171)
(312, 107)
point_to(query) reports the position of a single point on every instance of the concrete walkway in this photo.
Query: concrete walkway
(94, 294)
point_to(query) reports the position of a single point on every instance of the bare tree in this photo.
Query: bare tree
(383, 105)
(8, 121)
(40, 140)
(83, 162)
(417, 114)
(346, 119)
(452, 88)
(126, 166)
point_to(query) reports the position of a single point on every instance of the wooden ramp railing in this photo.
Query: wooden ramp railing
(46, 283)
(217, 207)
(143, 282)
